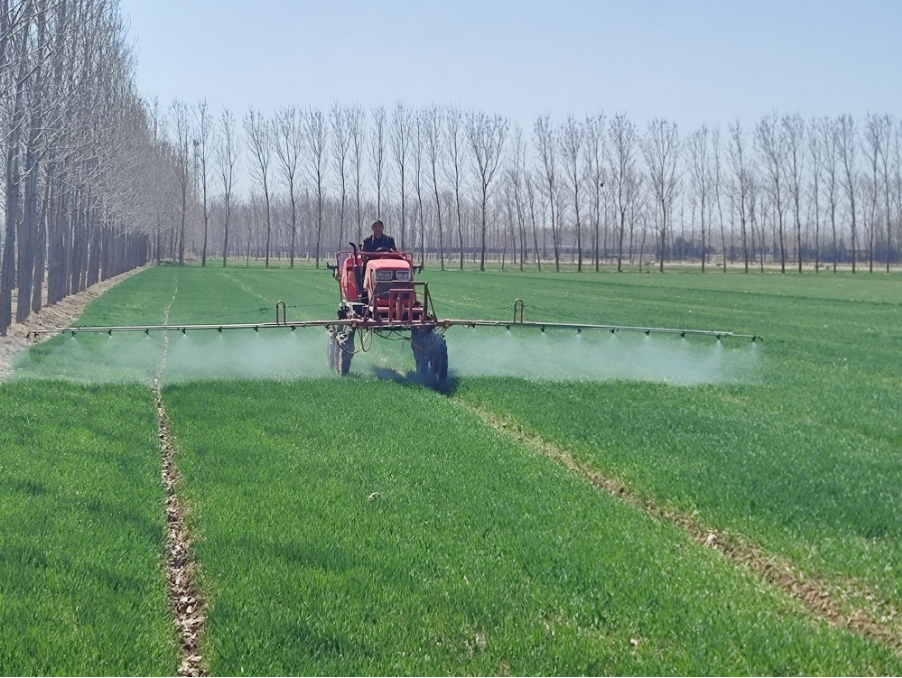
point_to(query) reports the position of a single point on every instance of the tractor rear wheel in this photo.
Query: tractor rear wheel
(430, 352)
(345, 351)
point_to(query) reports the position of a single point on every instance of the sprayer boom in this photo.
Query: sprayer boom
(378, 296)
(370, 324)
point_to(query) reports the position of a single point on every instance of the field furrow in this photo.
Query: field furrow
(187, 606)
(836, 602)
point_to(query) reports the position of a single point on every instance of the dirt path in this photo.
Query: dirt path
(845, 604)
(60, 314)
(186, 604)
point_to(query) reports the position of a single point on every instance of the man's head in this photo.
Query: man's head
(378, 228)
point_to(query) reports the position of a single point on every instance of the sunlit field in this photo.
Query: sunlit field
(373, 525)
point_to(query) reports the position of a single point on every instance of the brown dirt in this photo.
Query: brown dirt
(844, 603)
(188, 608)
(60, 314)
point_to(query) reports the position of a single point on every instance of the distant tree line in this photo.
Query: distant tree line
(98, 181)
(455, 185)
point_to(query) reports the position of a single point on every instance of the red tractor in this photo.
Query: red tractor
(379, 295)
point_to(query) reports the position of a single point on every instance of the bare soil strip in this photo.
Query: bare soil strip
(846, 604)
(188, 609)
(187, 606)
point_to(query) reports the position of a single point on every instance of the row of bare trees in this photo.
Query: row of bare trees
(85, 175)
(454, 184)
(97, 181)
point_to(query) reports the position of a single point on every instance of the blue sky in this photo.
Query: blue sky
(689, 62)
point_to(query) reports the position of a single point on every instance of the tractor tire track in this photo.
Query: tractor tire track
(837, 602)
(187, 607)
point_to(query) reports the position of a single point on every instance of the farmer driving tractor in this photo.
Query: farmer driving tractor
(379, 240)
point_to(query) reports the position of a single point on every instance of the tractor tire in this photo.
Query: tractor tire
(340, 350)
(430, 353)
(330, 350)
(420, 358)
(344, 351)
(440, 359)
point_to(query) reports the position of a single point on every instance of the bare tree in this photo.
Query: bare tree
(624, 177)
(877, 133)
(260, 139)
(316, 134)
(700, 180)
(180, 119)
(595, 173)
(896, 182)
(771, 145)
(227, 150)
(846, 145)
(432, 128)
(377, 153)
(399, 138)
(793, 131)
(572, 138)
(356, 123)
(816, 153)
(889, 130)
(486, 135)
(289, 142)
(546, 144)
(77, 145)
(754, 199)
(455, 143)
(530, 181)
(718, 185)
(516, 172)
(828, 141)
(741, 189)
(661, 148)
(29, 224)
(341, 145)
(418, 144)
(202, 144)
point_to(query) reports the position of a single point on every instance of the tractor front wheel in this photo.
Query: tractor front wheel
(341, 350)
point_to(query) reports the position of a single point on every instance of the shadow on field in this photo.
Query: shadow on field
(446, 387)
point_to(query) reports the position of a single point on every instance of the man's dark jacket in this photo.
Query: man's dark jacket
(373, 243)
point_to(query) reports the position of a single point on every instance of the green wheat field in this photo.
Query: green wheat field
(372, 525)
